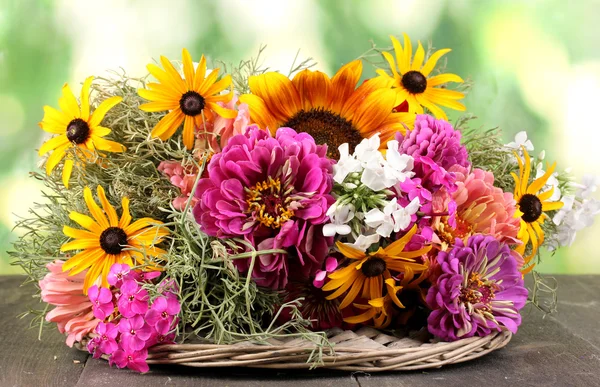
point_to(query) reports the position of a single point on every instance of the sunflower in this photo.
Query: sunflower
(106, 236)
(76, 127)
(531, 207)
(333, 111)
(413, 83)
(367, 273)
(190, 100)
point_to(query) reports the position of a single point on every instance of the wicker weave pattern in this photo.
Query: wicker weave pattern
(366, 350)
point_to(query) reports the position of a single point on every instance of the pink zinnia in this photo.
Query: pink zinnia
(73, 313)
(482, 208)
(480, 290)
(275, 192)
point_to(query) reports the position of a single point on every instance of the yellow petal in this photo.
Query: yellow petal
(219, 86)
(85, 98)
(168, 125)
(432, 61)
(551, 206)
(94, 208)
(159, 106)
(53, 143)
(54, 121)
(350, 252)
(259, 112)
(77, 233)
(407, 51)
(419, 56)
(68, 103)
(108, 208)
(223, 112)
(102, 109)
(200, 73)
(188, 69)
(86, 222)
(56, 157)
(159, 96)
(353, 292)
(344, 83)
(106, 145)
(81, 244)
(188, 132)
(125, 214)
(173, 74)
(66, 173)
(443, 78)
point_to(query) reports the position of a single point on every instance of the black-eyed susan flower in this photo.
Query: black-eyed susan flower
(532, 205)
(332, 110)
(105, 237)
(367, 273)
(190, 99)
(76, 127)
(414, 84)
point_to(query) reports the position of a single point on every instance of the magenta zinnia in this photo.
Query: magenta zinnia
(436, 139)
(273, 191)
(480, 290)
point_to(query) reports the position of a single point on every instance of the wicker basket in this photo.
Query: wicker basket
(366, 350)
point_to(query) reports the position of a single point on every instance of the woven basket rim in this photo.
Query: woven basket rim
(367, 350)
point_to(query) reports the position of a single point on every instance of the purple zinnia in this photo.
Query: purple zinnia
(435, 139)
(480, 290)
(273, 191)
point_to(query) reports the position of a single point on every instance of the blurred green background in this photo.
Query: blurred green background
(535, 64)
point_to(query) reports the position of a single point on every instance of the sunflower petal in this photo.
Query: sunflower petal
(107, 207)
(443, 78)
(259, 113)
(173, 74)
(419, 56)
(159, 106)
(278, 93)
(188, 132)
(103, 144)
(54, 121)
(57, 155)
(94, 208)
(344, 83)
(219, 86)
(551, 206)
(314, 88)
(407, 51)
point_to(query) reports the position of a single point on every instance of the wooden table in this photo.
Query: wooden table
(562, 349)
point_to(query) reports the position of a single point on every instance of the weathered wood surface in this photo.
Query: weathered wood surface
(560, 350)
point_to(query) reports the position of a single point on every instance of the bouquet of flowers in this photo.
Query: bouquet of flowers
(191, 205)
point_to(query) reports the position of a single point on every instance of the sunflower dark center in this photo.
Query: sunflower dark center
(326, 127)
(191, 103)
(373, 267)
(531, 207)
(78, 131)
(414, 82)
(113, 240)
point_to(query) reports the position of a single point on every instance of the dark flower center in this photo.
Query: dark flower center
(268, 203)
(191, 103)
(113, 240)
(373, 267)
(78, 131)
(531, 207)
(476, 291)
(326, 127)
(414, 82)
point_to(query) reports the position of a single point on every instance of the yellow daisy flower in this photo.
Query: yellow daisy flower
(413, 83)
(76, 127)
(187, 99)
(332, 110)
(531, 207)
(105, 238)
(367, 273)
(379, 310)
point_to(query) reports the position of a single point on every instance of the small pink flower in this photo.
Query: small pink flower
(93, 348)
(135, 360)
(134, 333)
(102, 304)
(162, 313)
(330, 265)
(107, 334)
(118, 273)
(133, 300)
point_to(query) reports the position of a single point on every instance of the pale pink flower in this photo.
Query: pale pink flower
(482, 208)
(73, 313)
(215, 135)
